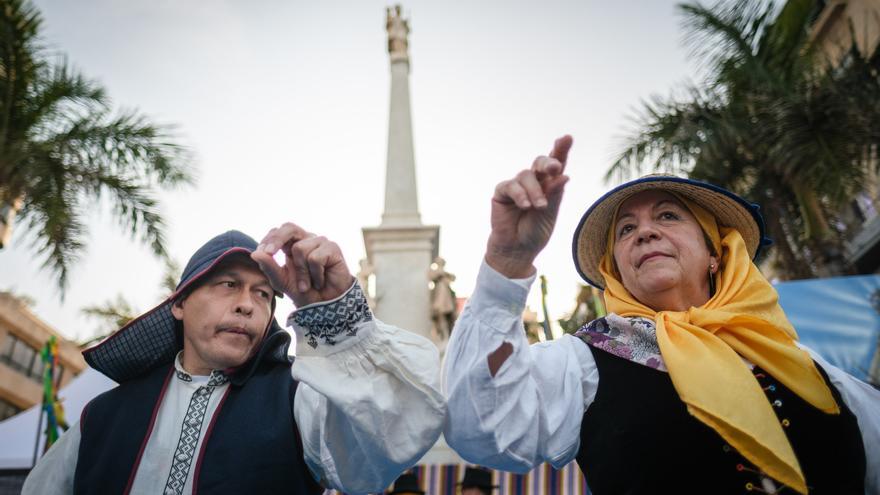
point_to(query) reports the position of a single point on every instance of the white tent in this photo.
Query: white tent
(18, 434)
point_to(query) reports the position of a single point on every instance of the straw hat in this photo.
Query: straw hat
(730, 210)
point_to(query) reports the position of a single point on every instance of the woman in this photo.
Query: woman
(694, 382)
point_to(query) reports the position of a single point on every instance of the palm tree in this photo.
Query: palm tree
(61, 150)
(774, 121)
(115, 314)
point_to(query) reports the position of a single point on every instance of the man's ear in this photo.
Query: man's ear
(177, 308)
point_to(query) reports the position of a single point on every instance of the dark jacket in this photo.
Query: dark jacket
(252, 444)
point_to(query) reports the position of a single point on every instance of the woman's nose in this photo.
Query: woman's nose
(647, 232)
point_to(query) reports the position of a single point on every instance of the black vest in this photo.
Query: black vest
(253, 445)
(637, 437)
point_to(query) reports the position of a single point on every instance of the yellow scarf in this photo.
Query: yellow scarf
(704, 347)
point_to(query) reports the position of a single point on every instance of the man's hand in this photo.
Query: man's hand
(314, 269)
(524, 212)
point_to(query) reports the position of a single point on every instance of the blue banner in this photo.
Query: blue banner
(837, 317)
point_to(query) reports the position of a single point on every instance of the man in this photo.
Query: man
(477, 481)
(406, 484)
(209, 402)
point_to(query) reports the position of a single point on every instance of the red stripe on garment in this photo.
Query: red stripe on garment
(137, 461)
(205, 440)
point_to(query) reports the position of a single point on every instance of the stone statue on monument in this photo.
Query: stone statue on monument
(443, 308)
(398, 30)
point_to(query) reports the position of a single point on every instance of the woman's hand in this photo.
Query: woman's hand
(524, 211)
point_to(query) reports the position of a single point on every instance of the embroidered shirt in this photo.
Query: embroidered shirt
(169, 457)
(368, 405)
(530, 412)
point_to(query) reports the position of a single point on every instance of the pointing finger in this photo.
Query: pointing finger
(561, 148)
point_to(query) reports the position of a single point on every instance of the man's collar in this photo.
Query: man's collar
(216, 378)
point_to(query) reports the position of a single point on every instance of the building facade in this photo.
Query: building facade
(839, 25)
(22, 336)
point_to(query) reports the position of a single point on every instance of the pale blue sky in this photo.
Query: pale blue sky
(285, 104)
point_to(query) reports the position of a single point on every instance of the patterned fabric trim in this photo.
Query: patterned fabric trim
(631, 338)
(325, 323)
(217, 377)
(190, 431)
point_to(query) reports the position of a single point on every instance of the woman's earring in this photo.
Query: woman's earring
(711, 280)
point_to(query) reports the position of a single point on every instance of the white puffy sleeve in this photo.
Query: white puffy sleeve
(53, 474)
(368, 404)
(528, 413)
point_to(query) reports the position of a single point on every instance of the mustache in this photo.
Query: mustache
(239, 328)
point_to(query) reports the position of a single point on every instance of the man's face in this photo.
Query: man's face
(224, 319)
(472, 490)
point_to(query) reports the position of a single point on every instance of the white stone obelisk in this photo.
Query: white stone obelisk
(401, 249)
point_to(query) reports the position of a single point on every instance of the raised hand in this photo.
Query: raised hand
(524, 212)
(314, 269)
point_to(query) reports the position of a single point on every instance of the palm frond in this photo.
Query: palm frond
(127, 145)
(727, 35)
(773, 121)
(170, 277)
(53, 215)
(113, 315)
(58, 96)
(61, 151)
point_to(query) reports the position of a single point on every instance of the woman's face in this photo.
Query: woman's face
(661, 253)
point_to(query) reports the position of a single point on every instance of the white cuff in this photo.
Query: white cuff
(497, 299)
(326, 327)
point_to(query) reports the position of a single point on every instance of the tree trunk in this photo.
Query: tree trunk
(816, 226)
(820, 235)
(794, 265)
(8, 210)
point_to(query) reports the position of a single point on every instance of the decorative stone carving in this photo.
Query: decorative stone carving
(443, 309)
